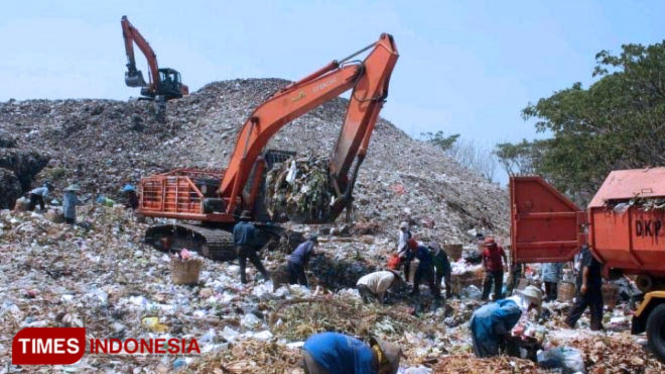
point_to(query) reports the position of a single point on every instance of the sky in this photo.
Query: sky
(465, 67)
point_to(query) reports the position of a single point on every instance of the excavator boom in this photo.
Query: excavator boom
(369, 80)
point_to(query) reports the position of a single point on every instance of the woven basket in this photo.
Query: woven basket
(279, 277)
(454, 251)
(460, 281)
(610, 295)
(185, 272)
(565, 292)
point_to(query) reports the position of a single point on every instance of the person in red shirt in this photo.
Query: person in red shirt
(493, 258)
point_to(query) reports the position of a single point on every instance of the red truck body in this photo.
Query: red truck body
(625, 224)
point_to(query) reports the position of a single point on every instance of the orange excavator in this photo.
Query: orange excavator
(163, 84)
(215, 199)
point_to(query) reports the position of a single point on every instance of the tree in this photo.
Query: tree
(440, 140)
(522, 158)
(616, 123)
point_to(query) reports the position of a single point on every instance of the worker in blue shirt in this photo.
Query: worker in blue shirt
(334, 353)
(492, 323)
(245, 238)
(425, 269)
(299, 259)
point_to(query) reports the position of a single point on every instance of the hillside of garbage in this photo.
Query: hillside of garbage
(99, 274)
(102, 144)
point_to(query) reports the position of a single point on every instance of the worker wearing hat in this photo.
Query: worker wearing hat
(493, 322)
(334, 353)
(245, 238)
(376, 284)
(299, 259)
(493, 254)
(70, 201)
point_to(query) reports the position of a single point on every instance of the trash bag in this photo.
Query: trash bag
(566, 358)
(471, 292)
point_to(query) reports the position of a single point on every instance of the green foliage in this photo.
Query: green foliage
(440, 140)
(522, 158)
(617, 123)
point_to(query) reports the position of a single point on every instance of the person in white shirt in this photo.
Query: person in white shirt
(403, 248)
(38, 195)
(375, 285)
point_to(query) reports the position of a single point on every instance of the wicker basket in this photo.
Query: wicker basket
(460, 281)
(280, 276)
(565, 292)
(454, 251)
(185, 272)
(610, 295)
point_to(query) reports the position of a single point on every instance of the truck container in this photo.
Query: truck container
(622, 225)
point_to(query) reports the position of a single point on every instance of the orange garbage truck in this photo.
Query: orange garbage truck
(622, 225)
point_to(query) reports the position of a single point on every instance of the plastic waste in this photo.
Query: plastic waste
(229, 334)
(471, 292)
(566, 358)
(250, 321)
(621, 208)
(292, 174)
(153, 324)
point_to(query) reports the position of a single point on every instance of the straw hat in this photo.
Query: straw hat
(246, 215)
(73, 187)
(533, 293)
(391, 351)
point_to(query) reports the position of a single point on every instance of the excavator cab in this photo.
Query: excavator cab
(170, 85)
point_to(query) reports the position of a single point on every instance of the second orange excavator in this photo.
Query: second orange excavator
(215, 199)
(163, 83)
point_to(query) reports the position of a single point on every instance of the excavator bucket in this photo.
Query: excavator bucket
(135, 80)
(545, 225)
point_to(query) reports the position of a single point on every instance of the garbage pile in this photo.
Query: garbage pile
(469, 364)
(124, 139)
(611, 353)
(300, 191)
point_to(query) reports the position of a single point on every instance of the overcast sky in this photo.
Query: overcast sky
(465, 67)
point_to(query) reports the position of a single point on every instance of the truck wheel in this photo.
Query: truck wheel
(656, 332)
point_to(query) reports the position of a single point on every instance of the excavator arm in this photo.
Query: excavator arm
(369, 80)
(163, 84)
(133, 76)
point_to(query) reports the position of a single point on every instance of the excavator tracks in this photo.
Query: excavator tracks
(213, 243)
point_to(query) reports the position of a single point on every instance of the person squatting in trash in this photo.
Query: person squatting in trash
(492, 323)
(589, 292)
(38, 196)
(493, 258)
(375, 285)
(69, 203)
(245, 238)
(425, 269)
(299, 259)
(335, 353)
(442, 267)
(403, 248)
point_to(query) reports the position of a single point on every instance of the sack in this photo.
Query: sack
(393, 261)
